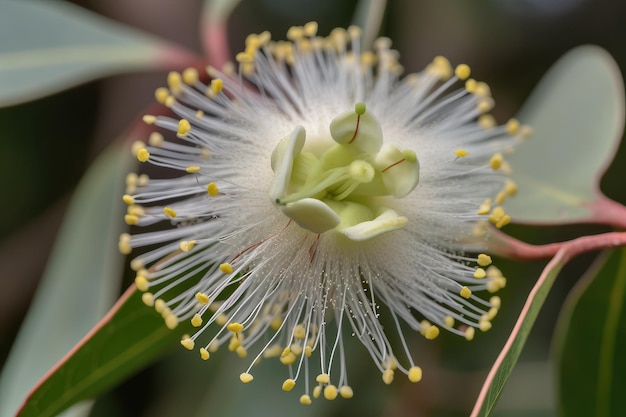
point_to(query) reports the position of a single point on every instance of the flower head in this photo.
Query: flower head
(322, 194)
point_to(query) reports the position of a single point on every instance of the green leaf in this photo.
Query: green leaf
(129, 337)
(577, 113)
(80, 283)
(48, 46)
(590, 342)
(504, 364)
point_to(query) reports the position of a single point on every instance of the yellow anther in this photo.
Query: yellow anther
(187, 343)
(442, 67)
(169, 102)
(135, 210)
(214, 346)
(221, 320)
(486, 121)
(431, 333)
(462, 71)
(143, 155)
(512, 126)
(310, 29)
(196, 320)
(226, 268)
(272, 351)
(500, 197)
(469, 333)
(484, 325)
(212, 189)
(288, 359)
(149, 119)
(288, 385)
(233, 343)
(388, 376)
(485, 207)
(323, 379)
(217, 84)
(460, 153)
(491, 314)
(484, 105)
(199, 114)
(142, 180)
(295, 33)
(504, 220)
(205, 153)
(202, 298)
(192, 169)
(160, 94)
(510, 188)
(156, 139)
(330, 392)
(169, 212)
(244, 58)
(495, 301)
(171, 322)
(368, 58)
(305, 399)
(276, 323)
(415, 374)
(308, 351)
(526, 131)
(482, 89)
(136, 264)
(299, 332)
(142, 283)
(148, 299)
(136, 147)
(245, 377)
(187, 245)
(296, 349)
(483, 260)
(190, 76)
(183, 127)
(449, 321)
(131, 219)
(159, 305)
(496, 161)
(174, 82)
(479, 273)
(241, 351)
(346, 391)
(124, 244)
(204, 354)
(317, 391)
(235, 327)
(471, 85)
(465, 292)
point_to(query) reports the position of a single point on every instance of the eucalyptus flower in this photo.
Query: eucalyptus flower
(321, 197)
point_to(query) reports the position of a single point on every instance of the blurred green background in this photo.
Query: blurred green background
(45, 147)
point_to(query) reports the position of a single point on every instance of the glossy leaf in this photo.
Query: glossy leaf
(48, 46)
(80, 282)
(577, 113)
(510, 353)
(590, 342)
(128, 338)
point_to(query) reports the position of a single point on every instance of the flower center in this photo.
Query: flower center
(341, 189)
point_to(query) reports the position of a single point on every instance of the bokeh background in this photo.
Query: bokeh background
(46, 146)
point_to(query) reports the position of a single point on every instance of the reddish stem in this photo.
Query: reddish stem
(608, 212)
(565, 252)
(215, 41)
